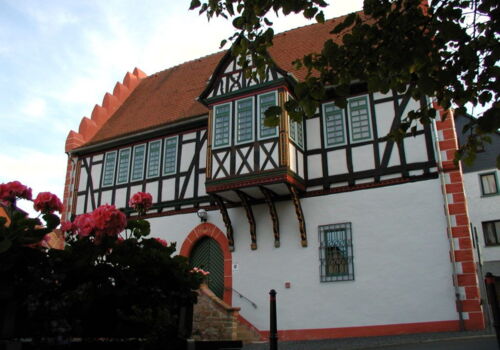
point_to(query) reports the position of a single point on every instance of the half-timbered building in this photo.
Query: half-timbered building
(358, 235)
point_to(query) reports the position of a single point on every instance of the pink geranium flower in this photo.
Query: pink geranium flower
(108, 221)
(67, 226)
(84, 225)
(47, 202)
(141, 201)
(12, 190)
(162, 241)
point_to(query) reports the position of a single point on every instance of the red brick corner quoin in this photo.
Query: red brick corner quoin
(463, 253)
(210, 230)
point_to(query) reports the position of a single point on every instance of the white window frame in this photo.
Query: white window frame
(369, 118)
(165, 143)
(237, 121)
(133, 162)
(128, 166)
(261, 120)
(325, 131)
(214, 117)
(104, 169)
(148, 164)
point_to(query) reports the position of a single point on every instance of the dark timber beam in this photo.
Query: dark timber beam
(251, 219)
(300, 215)
(268, 196)
(226, 219)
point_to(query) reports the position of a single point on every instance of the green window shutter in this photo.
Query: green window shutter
(154, 155)
(222, 125)
(108, 177)
(244, 120)
(138, 162)
(170, 156)
(334, 125)
(123, 166)
(266, 101)
(336, 252)
(207, 254)
(359, 116)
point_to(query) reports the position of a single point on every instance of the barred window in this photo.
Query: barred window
(491, 231)
(154, 155)
(334, 125)
(123, 166)
(108, 177)
(266, 101)
(170, 156)
(336, 253)
(244, 120)
(488, 184)
(222, 125)
(138, 162)
(359, 117)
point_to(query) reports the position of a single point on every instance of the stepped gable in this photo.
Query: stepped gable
(171, 95)
(100, 114)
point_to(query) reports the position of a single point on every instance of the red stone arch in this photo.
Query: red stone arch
(212, 231)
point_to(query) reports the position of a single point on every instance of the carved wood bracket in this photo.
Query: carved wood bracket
(251, 219)
(268, 195)
(227, 221)
(300, 215)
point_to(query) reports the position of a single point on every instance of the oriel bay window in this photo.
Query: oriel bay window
(123, 166)
(138, 162)
(265, 101)
(154, 157)
(222, 126)
(108, 176)
(336, 253)
(244, 120)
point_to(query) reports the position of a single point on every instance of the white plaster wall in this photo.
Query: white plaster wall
(187, 156)
(80, 205)
(106, 197)
(415, 149)
(384, 113)
(82, 184)
(313, 134)
(121, 197)
(482, 208)
(337, 162)
(401, 261)
(96, 175)
(314, 169)
(362, 158)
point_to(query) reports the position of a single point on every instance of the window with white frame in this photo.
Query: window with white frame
(359, 118)
(491, 231)
(123, 166)
(336, 252)
(138, 162)
(222, 126)
(154, 157)
(489, 184)
(334, 125)
(170, 156)
(244, 120)
(296, 132)
(265, 101)
(108, 176)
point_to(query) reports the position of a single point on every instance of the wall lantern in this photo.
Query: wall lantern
(202, 214)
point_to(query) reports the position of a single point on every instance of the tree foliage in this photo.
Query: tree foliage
(446, 50)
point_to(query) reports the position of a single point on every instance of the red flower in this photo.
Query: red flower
(12, 190)
(162, 242)
(108, 221)
(141, 201)
(84, 225)
(67, 226)
(47, 202)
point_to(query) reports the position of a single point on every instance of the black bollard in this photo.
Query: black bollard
(492, 297)
(273, 328)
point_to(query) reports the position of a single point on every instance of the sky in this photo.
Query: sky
(58, 58)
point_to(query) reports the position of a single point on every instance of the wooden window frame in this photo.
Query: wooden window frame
(237, 121)
(118, 182)
(370, 126)
(495, 178)
(176, 151)
(148, 164)
(325, 130)
(104, 166)
(261, 119)
(133, 163)
(497, 234)
(214, 146)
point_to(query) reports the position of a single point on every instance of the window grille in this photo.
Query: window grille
(138, 162)
(491, 231)
(244, 120)
(266, 101)
(170, 154)
(360, 119)
(123, 166)
(222, 125)
(489, 184)
(336, 252)
(108, 177)
(154, 156)
(334, 125)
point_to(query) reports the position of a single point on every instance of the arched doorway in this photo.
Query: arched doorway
(208, 255)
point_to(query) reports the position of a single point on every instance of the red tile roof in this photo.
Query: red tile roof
(170, 95)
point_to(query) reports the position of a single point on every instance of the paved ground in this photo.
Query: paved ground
(483, 340)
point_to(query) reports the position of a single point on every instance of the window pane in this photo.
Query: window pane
(300, 133)
(244, 129)
(334, 124)
(138, 162)
(336, 253)
(154, 158)
(222, 125)
(293, 130)
(491, 230)
(359, 119)
(489, 184)
(170, 160)
(109, 169)
(123, 165)
(266, 101)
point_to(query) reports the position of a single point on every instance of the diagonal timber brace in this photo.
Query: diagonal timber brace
(226, 219)
(251, 219)
(268, 196)
(300, 215)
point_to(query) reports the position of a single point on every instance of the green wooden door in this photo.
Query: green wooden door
(207, 255)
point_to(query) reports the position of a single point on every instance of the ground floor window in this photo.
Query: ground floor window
(491, 230)
(336, 253)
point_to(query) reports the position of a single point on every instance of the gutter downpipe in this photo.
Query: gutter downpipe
(448, 223)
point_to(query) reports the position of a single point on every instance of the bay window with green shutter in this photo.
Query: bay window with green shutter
(108, 177)
(265, 101)
(222, 126)
(154, 157)
(138, 159)
(123, 166)
(244, 120)
(170, 156)
(359, 118)
(334, 125)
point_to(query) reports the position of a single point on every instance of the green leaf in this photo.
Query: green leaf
(5, 244)
(194, 4)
